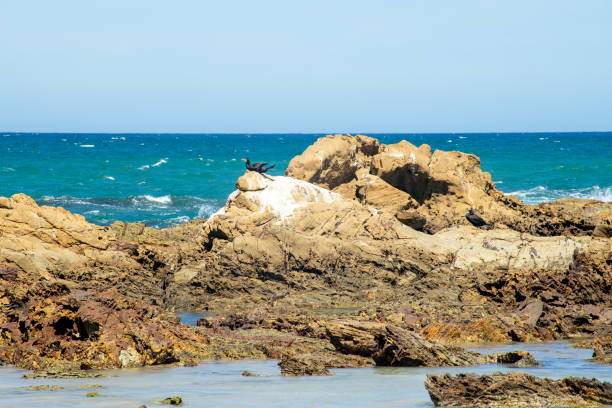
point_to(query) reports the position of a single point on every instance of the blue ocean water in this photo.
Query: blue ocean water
(165, 179)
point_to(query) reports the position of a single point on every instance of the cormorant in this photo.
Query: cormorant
(258, 167)
(474, 219)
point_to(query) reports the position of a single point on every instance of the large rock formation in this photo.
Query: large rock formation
(514, 389)
(442, 186)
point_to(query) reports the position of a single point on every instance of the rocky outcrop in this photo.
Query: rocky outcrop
(602, 349)
(46, 326)
(514, 389)
(390, 345)
(517, 358)
(442, 186)
(302, 365)
(333, 160)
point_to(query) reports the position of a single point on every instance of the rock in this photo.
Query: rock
(63, 374)
(92, 394)
(95, 330)
(176, 400)
(390, 345)
(517, 358)
(251, 181)
(44, 387)
(371, 190)
(445, 185)
(603, 231)
(332, 160)
(88, 386)
(404, 166)
(302, 365)
(515, 389)
(246, 373)
(602, 349)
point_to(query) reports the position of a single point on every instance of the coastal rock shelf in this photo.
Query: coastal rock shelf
(516, 389)
(360, 254)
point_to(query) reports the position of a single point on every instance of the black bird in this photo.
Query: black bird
(474, 219)
(258, 167)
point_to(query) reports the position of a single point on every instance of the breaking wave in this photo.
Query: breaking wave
(155, 211)
(541, 194)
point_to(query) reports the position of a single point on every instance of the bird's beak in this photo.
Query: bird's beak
(244, 160)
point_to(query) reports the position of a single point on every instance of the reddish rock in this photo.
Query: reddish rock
(515, 389)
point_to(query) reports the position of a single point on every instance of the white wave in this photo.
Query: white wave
(206, 210)
(93, 212)
(159, 200)
(7, 169)
(146, 166)
(110, 178)
(541, 194)
(162, 161)
(87, 145)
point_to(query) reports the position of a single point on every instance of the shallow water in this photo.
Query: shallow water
(220, 384)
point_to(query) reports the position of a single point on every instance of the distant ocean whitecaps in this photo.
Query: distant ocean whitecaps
(542, 194)
(157, 164)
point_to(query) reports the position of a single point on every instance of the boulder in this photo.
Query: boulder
(517, 358)
(251, 181)
(333, 160)
(404, 166)
(302, 365)
(515, 389)
(390, 345)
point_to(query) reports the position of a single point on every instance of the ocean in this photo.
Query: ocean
(166, 179)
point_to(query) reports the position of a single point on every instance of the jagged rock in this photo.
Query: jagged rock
(602, 349)
(517, 358)
(332, 160)
(515, 389)
(371, 190)
(390, 345)
(302, 365)
(445, 185)
(91, 330)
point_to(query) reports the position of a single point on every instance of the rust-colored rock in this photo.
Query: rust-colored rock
(302, 365)
(49, 327)
(390, 345)
(515, 389)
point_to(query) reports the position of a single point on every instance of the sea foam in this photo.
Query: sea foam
(541, 194)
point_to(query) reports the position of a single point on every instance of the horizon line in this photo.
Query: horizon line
(8, 132)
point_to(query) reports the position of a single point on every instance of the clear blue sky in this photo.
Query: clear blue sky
(308, 66)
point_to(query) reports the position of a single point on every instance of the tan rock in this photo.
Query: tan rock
(332, 160)
(404, 166)
(251, 181)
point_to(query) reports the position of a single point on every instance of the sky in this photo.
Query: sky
(310, 66)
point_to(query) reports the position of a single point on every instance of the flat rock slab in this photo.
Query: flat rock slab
(515, 389)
